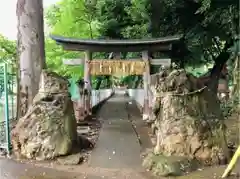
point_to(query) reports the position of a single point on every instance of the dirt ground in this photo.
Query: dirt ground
(233, 137)
(233, 129)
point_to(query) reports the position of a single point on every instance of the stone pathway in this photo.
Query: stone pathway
(118, 147)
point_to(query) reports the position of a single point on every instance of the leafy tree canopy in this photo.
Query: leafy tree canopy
(7, 49)
(71, 18)
(210, 28)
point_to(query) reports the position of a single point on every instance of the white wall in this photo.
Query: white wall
(137, 95)
(100, 95)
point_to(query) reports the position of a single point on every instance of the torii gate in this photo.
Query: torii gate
(127, 67)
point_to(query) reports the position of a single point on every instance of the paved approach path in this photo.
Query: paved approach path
(118, 147)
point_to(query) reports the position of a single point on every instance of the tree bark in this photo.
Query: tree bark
(220, 61)
(30, 50)
(154, 18)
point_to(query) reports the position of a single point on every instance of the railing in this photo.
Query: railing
(137, 95)
(7, 111)
(97, 96)
(120, 90)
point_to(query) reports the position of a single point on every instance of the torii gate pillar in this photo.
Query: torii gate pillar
(87, 85)
(146, 82)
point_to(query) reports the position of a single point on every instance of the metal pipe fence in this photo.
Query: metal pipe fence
(7, 104)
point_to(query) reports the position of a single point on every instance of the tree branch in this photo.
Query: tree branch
(220, 61)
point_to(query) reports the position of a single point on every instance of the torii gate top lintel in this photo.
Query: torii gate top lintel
(133, 45)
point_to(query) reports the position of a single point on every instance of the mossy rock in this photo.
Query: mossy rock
(188, 118)
(161, 165)
(49, 129)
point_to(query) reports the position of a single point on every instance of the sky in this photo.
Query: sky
(8, 19)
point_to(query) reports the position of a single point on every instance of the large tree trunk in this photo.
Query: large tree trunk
(220, 61)
(30, 50)
(154, 18)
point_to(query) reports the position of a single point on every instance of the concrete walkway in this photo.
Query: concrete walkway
(118, 146)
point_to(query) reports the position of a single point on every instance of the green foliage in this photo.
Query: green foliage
(139, 27)
(7, 50)
(1, 80)
(206, 24)
(71, 18)
(7, 55)
(230, 107)
(211, 24)
(54, 56)
(114, 17)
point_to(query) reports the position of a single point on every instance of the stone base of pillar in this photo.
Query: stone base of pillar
(88, 108)
(151, 115)
(146, 109)
(78, 111)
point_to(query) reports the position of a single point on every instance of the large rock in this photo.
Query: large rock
(161, 165)
(188, 119)
(48, 130)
